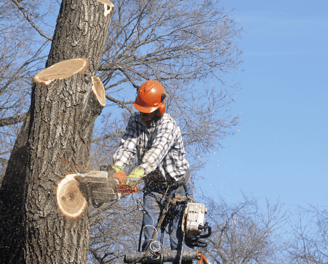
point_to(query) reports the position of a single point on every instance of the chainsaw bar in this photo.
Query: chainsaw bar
(92, 177)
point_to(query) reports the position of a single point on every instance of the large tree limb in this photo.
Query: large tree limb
(12, 120)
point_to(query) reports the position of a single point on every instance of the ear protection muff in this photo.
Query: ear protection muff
(162, 107)
(161, 110)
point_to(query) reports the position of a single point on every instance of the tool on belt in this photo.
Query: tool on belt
(103, 186)
(194, 229)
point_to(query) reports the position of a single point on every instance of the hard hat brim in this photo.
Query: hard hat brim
(145, 109)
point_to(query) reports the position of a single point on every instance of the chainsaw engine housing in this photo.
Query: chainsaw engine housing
(196, 227)
(195, 218)
(102, 189)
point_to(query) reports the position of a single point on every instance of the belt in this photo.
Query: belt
(158, 184)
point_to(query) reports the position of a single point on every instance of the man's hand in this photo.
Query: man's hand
(135, 176)
(117, 168)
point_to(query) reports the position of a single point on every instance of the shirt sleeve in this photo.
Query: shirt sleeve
(128, 144)
(162, 143)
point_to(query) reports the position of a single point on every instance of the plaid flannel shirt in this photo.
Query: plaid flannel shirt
(159, 148)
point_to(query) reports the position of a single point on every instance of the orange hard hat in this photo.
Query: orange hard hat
(151, 96)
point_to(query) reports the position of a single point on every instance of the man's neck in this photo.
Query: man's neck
(152, 122)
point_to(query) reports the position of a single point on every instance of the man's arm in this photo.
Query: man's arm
(128, 145)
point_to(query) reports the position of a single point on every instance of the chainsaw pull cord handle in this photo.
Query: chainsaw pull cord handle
(203, 260)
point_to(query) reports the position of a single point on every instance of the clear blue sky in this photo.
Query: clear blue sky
(281, 148)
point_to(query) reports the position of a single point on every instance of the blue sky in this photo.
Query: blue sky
(281, 148)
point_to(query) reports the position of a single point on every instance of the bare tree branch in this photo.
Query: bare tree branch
(12, 120)
(25, 13)
(242, 234)
(309, 236)
(109, 135)
(120, 103)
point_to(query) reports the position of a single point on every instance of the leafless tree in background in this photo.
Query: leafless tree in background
(309, 236)
(21, 56)
(243, 233)
(115, 230)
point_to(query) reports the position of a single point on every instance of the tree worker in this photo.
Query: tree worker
(155, 138)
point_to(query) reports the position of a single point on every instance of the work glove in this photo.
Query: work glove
(117, 168)
(135, 176)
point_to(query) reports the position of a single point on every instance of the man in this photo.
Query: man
(156, 139)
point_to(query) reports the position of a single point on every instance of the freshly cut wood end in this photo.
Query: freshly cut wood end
(108, 6)
(99, 90)
(61, 70)
(70, 201)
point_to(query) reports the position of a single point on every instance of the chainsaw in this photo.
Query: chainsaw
(103, 186)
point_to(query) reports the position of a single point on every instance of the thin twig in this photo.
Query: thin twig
(25, 13)
(122, 104)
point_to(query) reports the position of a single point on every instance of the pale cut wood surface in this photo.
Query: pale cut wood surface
(61, 70)
(108, 6)
(99, 90)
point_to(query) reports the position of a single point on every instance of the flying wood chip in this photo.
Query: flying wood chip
(70, 201)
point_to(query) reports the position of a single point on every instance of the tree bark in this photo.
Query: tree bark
(55, 141)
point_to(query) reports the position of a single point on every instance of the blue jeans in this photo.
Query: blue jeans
(153, 206)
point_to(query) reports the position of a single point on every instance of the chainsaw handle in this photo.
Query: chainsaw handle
(122, 187)
(208, 230)
(121, 176)
(126, 188)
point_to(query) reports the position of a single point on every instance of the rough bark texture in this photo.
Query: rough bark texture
(81, 33)
(54, 141)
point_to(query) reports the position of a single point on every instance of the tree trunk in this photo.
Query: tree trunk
(53, 142)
